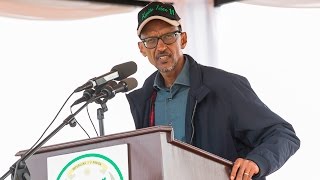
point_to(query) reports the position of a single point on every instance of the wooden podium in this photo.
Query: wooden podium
(153, 154)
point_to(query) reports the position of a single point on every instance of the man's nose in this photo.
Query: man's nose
(161, 45)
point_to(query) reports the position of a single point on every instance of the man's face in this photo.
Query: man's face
(165, 57)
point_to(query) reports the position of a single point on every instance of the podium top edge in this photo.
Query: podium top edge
(137, 132)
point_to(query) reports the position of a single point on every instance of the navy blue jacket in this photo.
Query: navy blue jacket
(225, 117)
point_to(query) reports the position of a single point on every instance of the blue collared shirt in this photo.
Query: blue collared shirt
(170, 104)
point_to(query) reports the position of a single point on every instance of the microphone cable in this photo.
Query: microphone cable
(94, 127)
(89, 119)
(54, 121)
(29, 150)
(51, 122)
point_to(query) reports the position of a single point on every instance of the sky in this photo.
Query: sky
(43, 62)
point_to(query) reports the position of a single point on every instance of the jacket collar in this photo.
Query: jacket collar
(198, 90)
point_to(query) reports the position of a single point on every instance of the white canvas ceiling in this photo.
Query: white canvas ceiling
(58, 9)
(286, 3)
(70, 9)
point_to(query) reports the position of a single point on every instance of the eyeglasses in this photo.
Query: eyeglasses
(168, 39)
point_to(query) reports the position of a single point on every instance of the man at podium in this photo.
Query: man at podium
(209, 108)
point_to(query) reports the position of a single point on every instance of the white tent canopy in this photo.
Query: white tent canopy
(66, 9)
(58, 9)
(286, 3)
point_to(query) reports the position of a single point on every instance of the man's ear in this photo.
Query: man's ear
(142, 49)
(184, 40)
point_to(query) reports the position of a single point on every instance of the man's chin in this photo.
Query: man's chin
(166, 69)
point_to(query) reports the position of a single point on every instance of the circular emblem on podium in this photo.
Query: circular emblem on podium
(90, 166)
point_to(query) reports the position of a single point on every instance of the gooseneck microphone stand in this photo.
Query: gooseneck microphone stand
(107, 90)
(19, 170)
(101, 111)
(100, 116)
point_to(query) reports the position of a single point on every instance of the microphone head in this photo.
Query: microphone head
(130, 83)
(125, 69)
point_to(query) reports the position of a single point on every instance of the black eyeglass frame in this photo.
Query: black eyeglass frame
(175, 33)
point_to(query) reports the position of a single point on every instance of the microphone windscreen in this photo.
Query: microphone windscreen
(131, 83)
(125, 69)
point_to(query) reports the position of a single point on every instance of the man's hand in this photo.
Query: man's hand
(243, 169)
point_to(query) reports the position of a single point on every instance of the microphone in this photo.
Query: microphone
(118, 73)
(125, 85)
(88, 93)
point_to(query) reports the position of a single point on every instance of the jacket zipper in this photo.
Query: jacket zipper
(192, 121)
